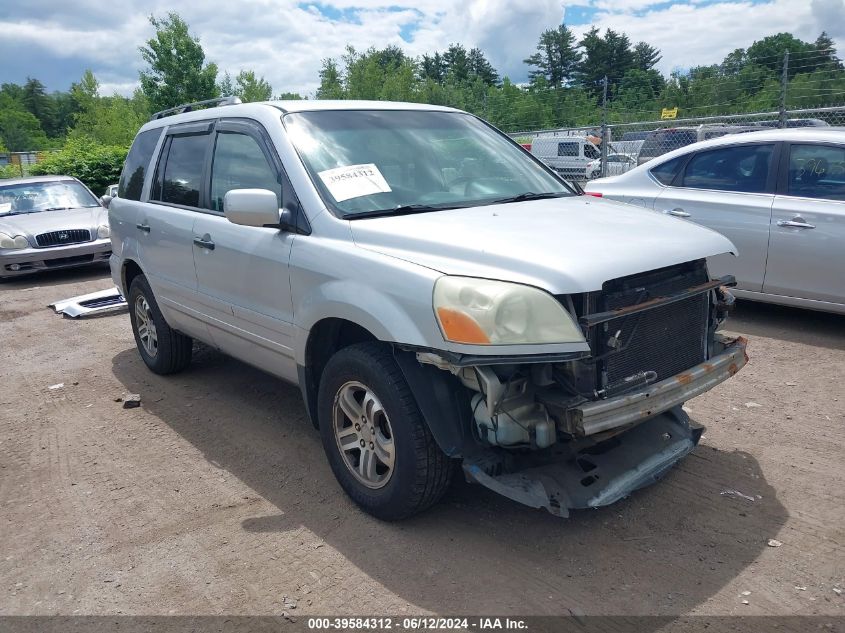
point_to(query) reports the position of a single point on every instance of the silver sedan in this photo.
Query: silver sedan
(49, 222)
(779, 195)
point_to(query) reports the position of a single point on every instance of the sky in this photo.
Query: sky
(285, 40)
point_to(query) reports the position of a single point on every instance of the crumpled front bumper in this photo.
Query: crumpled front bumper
(599, 470)
(592, 478)
(603, 415)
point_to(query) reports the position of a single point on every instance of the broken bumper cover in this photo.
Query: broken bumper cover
(603, 415)
(591, 478)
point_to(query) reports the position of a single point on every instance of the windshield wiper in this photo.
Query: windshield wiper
(56, 209)
(405, 209)
(530, 195)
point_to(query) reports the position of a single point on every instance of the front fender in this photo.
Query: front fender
(381, 314)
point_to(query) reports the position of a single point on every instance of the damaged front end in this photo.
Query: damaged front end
(585, 432)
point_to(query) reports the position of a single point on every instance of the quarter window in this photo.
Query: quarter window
(816, 171)
(665, 173)
(239, 163)
(135, 167)
(180, 179)
(742, 168)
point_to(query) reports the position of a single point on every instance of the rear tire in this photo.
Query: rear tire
(390, 464)
(163, 349)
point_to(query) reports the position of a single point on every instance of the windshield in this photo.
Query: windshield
(35, 197)
(371, 162)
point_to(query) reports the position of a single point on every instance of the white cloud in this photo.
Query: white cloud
(692, 35)
(285, 40)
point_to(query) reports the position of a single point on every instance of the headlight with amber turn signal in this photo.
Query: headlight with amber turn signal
(487, 312)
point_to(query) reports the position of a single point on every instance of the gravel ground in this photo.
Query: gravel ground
(214, 496)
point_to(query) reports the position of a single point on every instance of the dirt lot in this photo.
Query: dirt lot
(215, 497)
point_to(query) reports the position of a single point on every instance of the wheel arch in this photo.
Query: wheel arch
(325, 338)
(128, 271)
(442, 400)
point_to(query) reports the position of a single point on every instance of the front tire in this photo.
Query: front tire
(163, 349)
(377, 443)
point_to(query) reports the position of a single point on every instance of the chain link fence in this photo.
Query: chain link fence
(579, 153)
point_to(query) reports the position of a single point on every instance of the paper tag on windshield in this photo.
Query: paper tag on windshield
(354, 181)
(5, 207)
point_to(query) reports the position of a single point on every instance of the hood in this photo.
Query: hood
(31, 224)
(563, 245)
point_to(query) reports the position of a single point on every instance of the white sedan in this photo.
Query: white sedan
(779, 195)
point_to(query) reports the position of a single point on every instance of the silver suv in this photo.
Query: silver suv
(438, 294)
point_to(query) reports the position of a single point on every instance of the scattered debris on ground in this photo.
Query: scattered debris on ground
(131, 401)
(92, 303)
(736, 493)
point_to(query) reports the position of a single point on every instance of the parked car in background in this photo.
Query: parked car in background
(793, 123)
(437, 293)
(616, 164)
(779, 195)
(664, 140)
(49, 222)
(635, 136)
(567, 155)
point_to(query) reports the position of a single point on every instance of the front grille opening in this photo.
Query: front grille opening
(66, 236)
(68, 261)
(668, 339)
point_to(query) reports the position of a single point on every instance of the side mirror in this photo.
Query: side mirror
(251, 207)
(105, 201)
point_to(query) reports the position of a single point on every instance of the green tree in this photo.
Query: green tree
(251, 88)
(645, 56)
(769, 53)
(480, 67)
(608, 56)
(457, 62)
(111, 120)
(177, 70)
(40, 105)
(226, 87)
(557, 58)
(433, 67)
(288, 96)
(20, 131)
(97, 165)
(331, 82)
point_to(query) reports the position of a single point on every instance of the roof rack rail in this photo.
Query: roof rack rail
(187, 107)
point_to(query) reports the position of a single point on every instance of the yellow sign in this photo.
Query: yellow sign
(669, 113)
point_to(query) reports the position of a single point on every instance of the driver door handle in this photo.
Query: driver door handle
(678, 213)
(796, 223)
(143, 227)
(204, 243)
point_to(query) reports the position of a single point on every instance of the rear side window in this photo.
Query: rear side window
(665, 173)
(239, 163)
(742, 168)
(591, 151)
(179, 177)
(816, 171)
(135, 167)
(567, 148)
